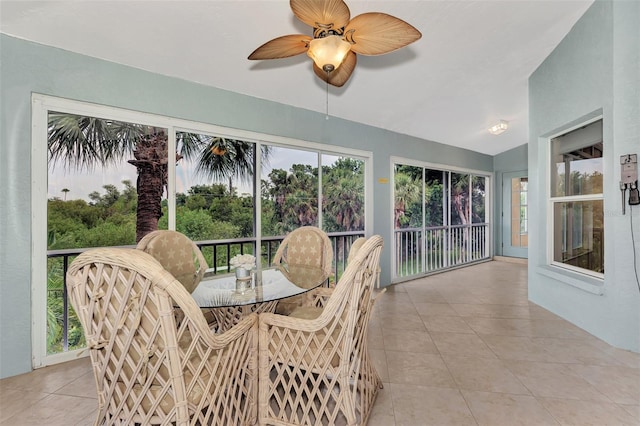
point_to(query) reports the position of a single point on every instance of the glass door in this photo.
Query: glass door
(515, 214)
(440, 219)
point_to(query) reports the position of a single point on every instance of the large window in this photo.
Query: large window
(440, 219)
(577, 201)
(108, 176)
(101, 188)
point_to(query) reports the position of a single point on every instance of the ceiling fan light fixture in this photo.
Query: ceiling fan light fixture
(328, 52)
(498, 128)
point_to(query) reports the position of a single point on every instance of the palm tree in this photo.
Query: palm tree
(407, 191)
(460, 199)
(65, 191)
(82, 142)
(343, 195)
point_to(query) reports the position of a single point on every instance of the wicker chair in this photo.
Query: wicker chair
(355, 246)
(314, 367)
(177, 254)
(304, 247)
(148, 368)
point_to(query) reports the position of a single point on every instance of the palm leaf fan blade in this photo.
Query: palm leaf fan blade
(326, 14)
(340, 75)
(378, 33)
(282, 47)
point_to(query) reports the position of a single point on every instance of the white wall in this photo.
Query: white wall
(594, 71)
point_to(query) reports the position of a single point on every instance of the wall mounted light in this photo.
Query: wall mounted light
(498, 128)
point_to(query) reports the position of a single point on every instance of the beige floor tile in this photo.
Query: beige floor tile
(464, 344)
(577, 351)
(48, 379)
(634, 410)
(401, 321)
(446, 324)
(549, 380)
(408, 341)
(482, 374)
(538, 312)
(425, 406)
(500, 326)
(375, 338)
(556, 328)
(426, 295)
(428, 309)
(83, 386)
(499, 409)
(55, 410)
(491, 311)
(14, 401)
(395, 308)
(517, 348)
(620, 384)
(89, 420)
(411, 368)
(379, 359)
(630, 359)
(394, 296)
(453, 296)
(396, 289)
(588, 413)
(382, 411)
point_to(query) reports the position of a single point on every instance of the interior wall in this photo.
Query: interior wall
(28, 68)
(514, 160)
(594, 71)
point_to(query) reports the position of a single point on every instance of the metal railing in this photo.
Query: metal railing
(424, 250)
(217, 253)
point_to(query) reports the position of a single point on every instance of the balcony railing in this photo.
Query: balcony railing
(62, 321)
(423, 250)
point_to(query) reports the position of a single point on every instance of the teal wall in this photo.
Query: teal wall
(27, 68)
(594, 71)
(514, 160)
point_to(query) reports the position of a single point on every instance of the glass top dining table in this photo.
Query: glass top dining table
(267, 285)
(229, 299)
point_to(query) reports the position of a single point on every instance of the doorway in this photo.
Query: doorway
(515, 214)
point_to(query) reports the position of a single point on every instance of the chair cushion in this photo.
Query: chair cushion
(305, 248)
(306, 312)
(175, 253)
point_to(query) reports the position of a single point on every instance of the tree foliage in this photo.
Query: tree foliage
(216, 211)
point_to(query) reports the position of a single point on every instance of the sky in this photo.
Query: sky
(82, 183)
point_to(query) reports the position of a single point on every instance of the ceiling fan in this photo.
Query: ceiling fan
(337, 38)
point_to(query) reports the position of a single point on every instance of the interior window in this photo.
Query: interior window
(577, 199)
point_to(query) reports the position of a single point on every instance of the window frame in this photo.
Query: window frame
(448, 170)
(42, 104)
(553, 200)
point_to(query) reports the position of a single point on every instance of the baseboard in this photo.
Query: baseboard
(520, 260)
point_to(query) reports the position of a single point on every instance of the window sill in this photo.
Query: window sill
(583, 282)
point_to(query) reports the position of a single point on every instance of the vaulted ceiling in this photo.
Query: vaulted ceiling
(469, 70)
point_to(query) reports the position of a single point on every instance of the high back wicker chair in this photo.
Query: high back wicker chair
(355, 246)
(314, 368)
(177, 254)
(148, 368)
(304, 247)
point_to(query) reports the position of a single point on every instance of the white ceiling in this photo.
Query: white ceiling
(469, 70)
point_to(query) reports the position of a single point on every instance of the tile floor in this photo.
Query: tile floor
(459, 348)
